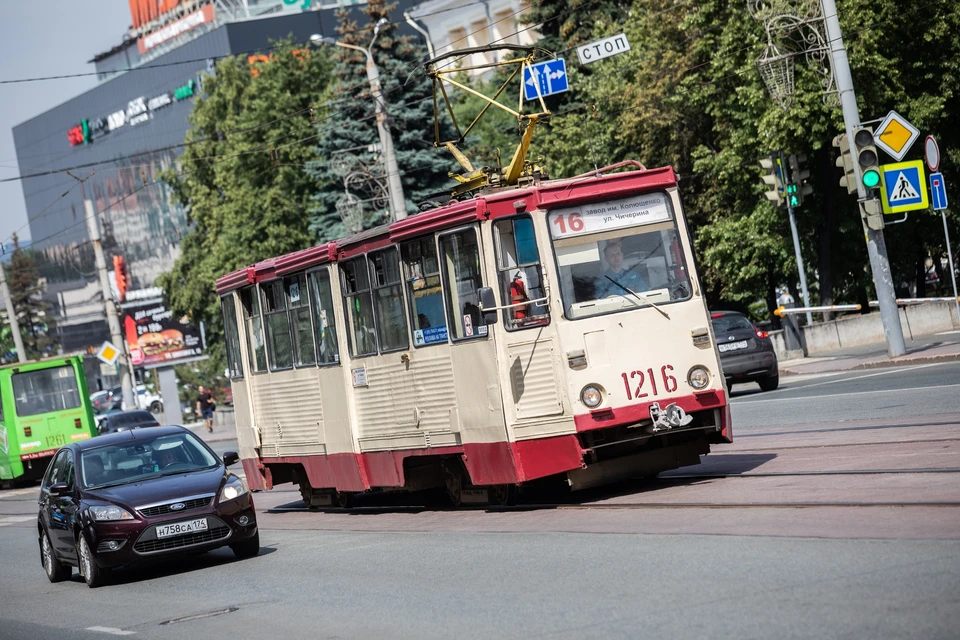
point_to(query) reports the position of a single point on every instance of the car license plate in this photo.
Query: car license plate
(732, 346)
(180, 528)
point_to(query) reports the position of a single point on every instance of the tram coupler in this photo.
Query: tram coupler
(670, 417)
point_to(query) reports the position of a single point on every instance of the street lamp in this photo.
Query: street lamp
(397, 202)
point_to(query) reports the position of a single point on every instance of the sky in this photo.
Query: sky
(46, 38)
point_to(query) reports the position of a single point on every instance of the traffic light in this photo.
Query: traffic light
(773, 178)
(122, 276)
(797, 188)
(846, 162)
(867, 157)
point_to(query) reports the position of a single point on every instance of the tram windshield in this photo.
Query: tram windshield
(618, 255)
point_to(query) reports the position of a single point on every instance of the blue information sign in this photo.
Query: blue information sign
(550, 75)
(938, 191)
(430, 335)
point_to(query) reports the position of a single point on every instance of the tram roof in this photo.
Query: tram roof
(587, 187)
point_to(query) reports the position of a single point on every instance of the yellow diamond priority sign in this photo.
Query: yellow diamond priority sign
(896, 135)
(108, 353)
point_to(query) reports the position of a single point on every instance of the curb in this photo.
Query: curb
(878, 364)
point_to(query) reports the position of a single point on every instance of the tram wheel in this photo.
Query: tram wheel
(455, 489)
(502, 495)
(345, 499)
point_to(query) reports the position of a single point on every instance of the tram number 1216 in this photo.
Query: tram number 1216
(634, 382)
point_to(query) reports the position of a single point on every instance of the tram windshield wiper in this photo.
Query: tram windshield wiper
(642, 298)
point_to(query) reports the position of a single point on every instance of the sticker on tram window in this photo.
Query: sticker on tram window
(612, 214)
(650, 382)
(294, 292)
(467, 325)
(430, 335)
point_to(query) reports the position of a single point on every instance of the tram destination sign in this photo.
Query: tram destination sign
(611, 214)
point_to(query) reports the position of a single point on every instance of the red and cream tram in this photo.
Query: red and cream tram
(556, 329)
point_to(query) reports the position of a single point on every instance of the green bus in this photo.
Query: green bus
(43, 406)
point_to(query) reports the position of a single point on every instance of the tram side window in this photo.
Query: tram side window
(388, 299)
(280, 347)
(299, 308)
(521, 277)
(255, 342)
(358, 305)
(232, 336)
(422, 275)
(324, 319)
(461, 279)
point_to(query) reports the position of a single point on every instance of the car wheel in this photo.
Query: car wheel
(247, 548)
(770, 382)
(93, 575)
(156, 407)
(55, 570)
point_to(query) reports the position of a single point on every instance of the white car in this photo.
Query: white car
(147, 400)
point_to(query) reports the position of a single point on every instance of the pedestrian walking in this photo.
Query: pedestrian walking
(205, 407)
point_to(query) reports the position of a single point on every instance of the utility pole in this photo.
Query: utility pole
(116, 337)
(876, 247)
(796, 241)
(12, 316)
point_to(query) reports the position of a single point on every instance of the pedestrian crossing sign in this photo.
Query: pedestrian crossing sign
(904, 187)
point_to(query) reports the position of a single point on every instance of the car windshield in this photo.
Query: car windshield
(135, 460)
(725, 324)
(618, 255)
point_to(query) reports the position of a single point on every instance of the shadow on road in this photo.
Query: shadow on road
(168, 567)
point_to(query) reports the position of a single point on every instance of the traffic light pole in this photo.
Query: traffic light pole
(796, 250)
(876, 247)
(15, 326)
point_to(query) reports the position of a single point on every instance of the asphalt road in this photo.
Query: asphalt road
(835, 514)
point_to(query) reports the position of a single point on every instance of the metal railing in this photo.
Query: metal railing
(901, 302)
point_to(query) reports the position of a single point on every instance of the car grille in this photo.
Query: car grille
(165, 544)
(160, 509)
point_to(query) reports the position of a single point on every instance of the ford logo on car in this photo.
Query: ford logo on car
(176, 506)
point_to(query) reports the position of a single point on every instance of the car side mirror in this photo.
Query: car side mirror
(230, 457)
(487, 301)
(58, 488)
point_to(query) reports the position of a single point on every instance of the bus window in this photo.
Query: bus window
(298, 303)
(422, 274)
(324, 320)
(45, 391)
(279, 347)
(521, 278)
(388, 299)
(461, 279)
(255, 342)
(359, 307)
(232, 336)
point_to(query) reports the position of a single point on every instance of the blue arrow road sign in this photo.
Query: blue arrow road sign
(938, 191)
(550, 75)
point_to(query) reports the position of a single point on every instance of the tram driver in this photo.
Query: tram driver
(606, 285)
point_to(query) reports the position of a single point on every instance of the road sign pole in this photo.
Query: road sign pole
(953, 275)
(876, 247)
(796, 248)
(12, 317)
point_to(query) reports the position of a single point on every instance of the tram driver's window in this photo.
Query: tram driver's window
(324, 319)
(358, 307)
(460, 258)
(521, 277)
(279, 345)
(231, 334)
(422, 275)
(255, 342)
(388, 299)
(298, 303)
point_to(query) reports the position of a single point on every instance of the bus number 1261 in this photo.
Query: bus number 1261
(634, 381)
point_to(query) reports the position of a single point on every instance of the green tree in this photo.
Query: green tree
(348, 129)
(242, 174)
(34, 313)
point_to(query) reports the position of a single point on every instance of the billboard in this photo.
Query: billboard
(156, 338)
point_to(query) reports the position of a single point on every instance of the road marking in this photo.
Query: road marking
(111, 631)
(7, 520)
(853, 393)
(869, 375)
(18, 492)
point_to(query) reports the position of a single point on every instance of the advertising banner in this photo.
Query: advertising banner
(155, 337)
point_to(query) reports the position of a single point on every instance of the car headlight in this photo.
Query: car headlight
(108, 513)
(698, 377)
(234, 488)
(591, 396)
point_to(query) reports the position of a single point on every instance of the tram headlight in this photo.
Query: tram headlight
(698, 377)
(591, 396)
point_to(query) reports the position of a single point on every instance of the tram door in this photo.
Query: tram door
(527, 344)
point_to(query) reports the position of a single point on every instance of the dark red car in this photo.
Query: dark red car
(135, 495)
